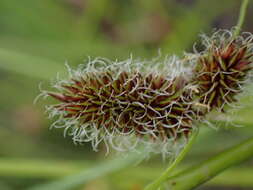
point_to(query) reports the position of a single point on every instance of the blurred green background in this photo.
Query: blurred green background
(37, 37)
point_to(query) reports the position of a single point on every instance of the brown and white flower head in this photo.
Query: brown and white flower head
(126, 104)
(223, 68)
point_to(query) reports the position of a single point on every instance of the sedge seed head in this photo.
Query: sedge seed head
(125, 104)
(223, 68)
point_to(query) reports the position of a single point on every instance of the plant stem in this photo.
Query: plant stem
(23, 64)
(40, 169)
(158, 182)
(242, 14)
(83, 177)
(199, 174)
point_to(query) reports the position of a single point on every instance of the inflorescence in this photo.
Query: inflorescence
(223, 68)
(132, 104)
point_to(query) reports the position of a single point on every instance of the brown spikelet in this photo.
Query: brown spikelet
(150, 105)
(222, 70)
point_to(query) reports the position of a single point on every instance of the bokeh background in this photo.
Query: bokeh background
(38, 37)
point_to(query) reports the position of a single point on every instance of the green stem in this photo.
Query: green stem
(158, 182)
(242, 14)
(199, 174)
(38, 168)
(23, 64)
(83, 177)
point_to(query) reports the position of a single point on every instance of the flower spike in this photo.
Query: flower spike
(125, 105)
(223, 68)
